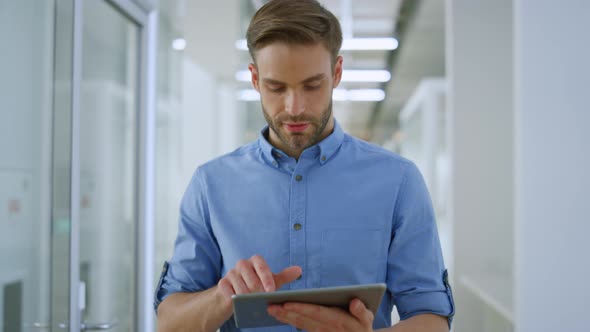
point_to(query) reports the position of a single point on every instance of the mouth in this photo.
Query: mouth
(296, 127)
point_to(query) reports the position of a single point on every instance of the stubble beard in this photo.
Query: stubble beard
(298, 142)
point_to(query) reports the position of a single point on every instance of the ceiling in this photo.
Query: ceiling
(212, 27)
(421, 55)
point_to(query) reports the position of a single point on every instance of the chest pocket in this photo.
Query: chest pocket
(350, 257)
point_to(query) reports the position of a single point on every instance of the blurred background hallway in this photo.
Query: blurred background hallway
(108, 106)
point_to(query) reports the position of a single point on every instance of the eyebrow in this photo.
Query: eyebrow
(307, 80)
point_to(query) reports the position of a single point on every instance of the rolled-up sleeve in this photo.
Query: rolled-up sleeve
(416, 275)
(196, 262)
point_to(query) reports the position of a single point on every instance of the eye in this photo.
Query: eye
(276, 89)
(312, 87)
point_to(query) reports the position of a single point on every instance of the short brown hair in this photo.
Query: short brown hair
(294, 22)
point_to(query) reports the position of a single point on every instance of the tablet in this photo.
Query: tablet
(250, 309)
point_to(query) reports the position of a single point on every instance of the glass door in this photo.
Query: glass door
(108, 166)
(74, 134)
(26, 86)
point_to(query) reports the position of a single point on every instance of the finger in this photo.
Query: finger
(226, 291)
(358, 309)
(237, 283)
(225, 288)
(296, 319)
(326, 315)
(246, 270)
(287, 275)
(264, 273)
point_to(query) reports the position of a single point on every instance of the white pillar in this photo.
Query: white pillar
(552, 85)
(519, 81)
(479, 61)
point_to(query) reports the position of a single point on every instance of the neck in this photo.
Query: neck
(275, 141)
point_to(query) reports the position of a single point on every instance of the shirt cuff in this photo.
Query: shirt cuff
(438, 303)
(161, 293)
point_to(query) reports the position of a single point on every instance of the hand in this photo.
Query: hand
(316, 318)
(251, 276)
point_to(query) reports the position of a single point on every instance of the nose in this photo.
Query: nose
(294, 103)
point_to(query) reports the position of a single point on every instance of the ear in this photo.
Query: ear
(337, 71)
(254, 72)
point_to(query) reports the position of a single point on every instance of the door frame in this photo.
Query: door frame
(147, 21)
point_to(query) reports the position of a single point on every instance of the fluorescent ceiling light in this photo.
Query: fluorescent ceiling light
(366, 44)
(365, 95)
(179, 44)
(358, 95)
(351, 44)
(337, 95)
(248, 95)
(356, 75)
(347, 76)
(242, 45)
(243, 76)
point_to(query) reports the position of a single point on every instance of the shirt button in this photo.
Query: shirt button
(323, 158)
(297, 226)
(298, 177)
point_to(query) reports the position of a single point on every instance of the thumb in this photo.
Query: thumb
(358, 309)
(286, 276)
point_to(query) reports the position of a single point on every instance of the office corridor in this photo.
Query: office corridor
(107, 107)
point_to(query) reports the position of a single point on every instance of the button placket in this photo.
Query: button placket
(297, 219)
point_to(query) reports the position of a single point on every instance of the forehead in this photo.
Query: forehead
(292, 63)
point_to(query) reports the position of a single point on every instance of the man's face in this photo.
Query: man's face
(295, 83)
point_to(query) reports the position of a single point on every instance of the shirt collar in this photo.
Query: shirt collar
(327, 147)
(331, 144)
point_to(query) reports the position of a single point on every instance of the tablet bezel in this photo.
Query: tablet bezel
(250, 309)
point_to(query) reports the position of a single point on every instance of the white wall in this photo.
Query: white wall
(552, 82)
(200, 118)
(231, 117)
(201, 125)
(212, 123)
(479, 70)
(186, 138)
(519, 80)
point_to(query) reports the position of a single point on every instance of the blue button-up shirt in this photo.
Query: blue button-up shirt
(347, 212)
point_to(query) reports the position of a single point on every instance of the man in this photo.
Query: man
(304, 206)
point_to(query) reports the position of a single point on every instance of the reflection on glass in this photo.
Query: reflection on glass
(108, 148)
(26, 36)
